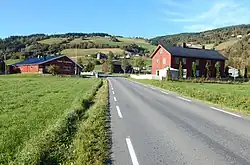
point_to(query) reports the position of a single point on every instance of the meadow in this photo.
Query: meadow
(51, 41)
(38, 116)
(235, 97)
(84, 52)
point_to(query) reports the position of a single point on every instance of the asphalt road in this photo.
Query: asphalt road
(150, 126)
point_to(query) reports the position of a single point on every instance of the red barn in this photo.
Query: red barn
(164, 57)
(40, 65)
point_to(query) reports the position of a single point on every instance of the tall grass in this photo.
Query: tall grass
(91, 143)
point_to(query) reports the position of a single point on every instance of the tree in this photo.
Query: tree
(180, 71)
(194, 69)
(140, 63)
(79, 61)
(110, 63)
(110, 55)
(207, 70)
(217, 70)
(169, 75)
(125, 65)
(53, 69)
(90, 66)
(245, 72)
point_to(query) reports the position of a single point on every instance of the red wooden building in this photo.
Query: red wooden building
(164, 57)
(40, 65)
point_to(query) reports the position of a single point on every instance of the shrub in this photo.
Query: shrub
(53, 69)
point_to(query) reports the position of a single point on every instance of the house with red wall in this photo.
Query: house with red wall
(40, 65)
(170, 57)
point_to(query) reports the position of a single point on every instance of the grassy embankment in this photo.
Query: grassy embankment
(236, 97)
(39, 117)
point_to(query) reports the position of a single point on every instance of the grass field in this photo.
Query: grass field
(123, 42)
(226, 44)
(235, 97)
(85, 52)
(34, 114)
(51, 41)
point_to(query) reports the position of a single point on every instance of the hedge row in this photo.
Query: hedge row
(53, 145)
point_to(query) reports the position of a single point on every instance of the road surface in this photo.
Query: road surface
(150, 126)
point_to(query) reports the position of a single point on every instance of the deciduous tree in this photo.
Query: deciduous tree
(194, 69)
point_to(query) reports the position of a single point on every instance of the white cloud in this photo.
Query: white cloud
(213, 14)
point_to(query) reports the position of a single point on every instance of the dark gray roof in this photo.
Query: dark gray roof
(195, 53)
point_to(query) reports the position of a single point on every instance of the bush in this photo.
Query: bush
(53, 69)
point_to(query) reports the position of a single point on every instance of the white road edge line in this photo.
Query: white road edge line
(113, 92)
(119, 112)
(164, 92)
(184, 99)
(131, 151)
(115, 99)
(220, 110)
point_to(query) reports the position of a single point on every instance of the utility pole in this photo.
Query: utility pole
(5, 67)
(76, 61)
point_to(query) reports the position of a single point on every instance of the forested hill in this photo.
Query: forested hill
(19, 47)
(215, 36)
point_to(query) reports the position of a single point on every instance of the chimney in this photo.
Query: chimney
(203, 47)
(184, 45)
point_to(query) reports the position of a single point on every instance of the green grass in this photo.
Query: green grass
(98, 68)
(235, 97)
(91, 143)
(123, 42)
(85, 52)
(51, 41)
(36, 112)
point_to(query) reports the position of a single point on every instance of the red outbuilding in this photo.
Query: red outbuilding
(40, 65)
(170, 57)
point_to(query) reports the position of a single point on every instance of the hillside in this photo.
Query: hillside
(238, 53)
(16, 47)
(215, 36)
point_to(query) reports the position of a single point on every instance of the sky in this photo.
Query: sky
(130, 18)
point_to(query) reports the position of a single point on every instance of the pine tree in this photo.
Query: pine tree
(194, 69)
(217, 69)
(180, 71)
(208, 70)
(169, 75)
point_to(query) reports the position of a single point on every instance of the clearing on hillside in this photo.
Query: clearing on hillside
(51, 41)
(85, 52)
(227, 44)
(31, 105)
(122, 42)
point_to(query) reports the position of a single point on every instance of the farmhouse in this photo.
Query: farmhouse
(165, 57)
(40, 64)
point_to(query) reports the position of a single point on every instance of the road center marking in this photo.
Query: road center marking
(184, 99)
(115, 99)
(113, 92)
(220, 110)
(119, 112)
(131, 152)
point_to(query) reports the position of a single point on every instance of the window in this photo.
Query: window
(197, 73)
(157, 60)
(67, 68)
(184, 61)
(197, 62)
(161, 51)
(177, 60)
(164, 60)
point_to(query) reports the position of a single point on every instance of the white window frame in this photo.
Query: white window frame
(177, 60)
(197, 73)
(184, 61)
(197, 61)
(164, 61)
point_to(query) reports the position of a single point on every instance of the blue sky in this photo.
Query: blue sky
(146, 18)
